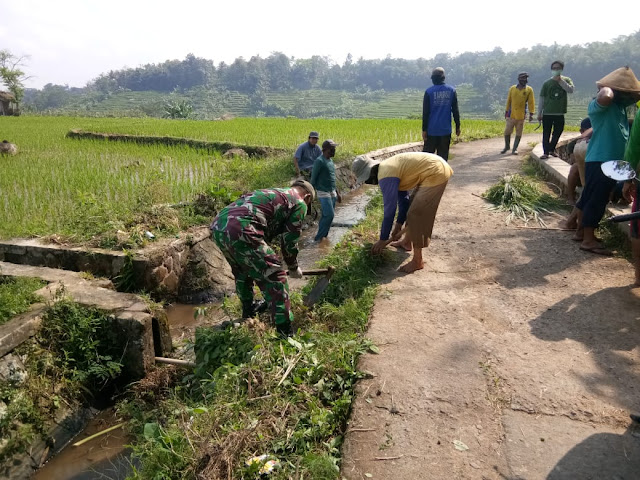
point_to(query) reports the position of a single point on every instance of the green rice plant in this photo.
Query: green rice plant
(522, 198)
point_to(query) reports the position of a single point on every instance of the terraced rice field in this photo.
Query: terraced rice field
(82, 188)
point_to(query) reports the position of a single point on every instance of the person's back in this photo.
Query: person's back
(439, 103)
(441, 99)
(265, 213)
(416, 169)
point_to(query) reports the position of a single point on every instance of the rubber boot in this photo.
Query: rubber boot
(285, 329)
(507, 143)
(250, 310)
(516, 142)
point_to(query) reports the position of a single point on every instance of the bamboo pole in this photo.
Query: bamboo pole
(175, 361)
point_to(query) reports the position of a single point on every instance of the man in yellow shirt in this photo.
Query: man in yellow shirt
(519, 97)
(428, 174)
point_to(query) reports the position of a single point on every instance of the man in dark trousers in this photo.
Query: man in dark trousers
(440, 102)
(553, 107)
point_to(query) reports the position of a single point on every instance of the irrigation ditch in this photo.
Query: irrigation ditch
(129, 331)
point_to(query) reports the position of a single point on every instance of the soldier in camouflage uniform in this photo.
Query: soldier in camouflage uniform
(242, 231)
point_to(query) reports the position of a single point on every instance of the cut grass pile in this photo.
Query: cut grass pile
(521, 198)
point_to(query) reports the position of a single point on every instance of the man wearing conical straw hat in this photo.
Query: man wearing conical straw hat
(608, 113)
(428, 174)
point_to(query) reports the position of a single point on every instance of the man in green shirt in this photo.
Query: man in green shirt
(553, 106)
(323, 179)
(632, 188)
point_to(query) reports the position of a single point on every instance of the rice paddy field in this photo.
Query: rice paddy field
(82, 189)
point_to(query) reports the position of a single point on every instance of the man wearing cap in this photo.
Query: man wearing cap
(608, 113)
(552, 108)
(241, 231)
(428, 174)
(520, 97)
(306, 154)
(323, 179)
(439, 103)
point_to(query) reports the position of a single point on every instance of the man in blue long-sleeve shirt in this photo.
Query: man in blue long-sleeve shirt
(440, 102)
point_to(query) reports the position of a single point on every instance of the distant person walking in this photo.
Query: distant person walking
(306, 154)
(323, 179)
(552, 108)
(439, 103)
(519, 98)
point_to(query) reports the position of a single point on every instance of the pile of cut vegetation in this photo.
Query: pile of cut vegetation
(522, 198)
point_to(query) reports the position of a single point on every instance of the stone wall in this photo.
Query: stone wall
(169, 268)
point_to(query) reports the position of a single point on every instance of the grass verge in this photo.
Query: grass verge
(16, 295)
(253, 394)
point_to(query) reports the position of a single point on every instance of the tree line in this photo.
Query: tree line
(490, 73)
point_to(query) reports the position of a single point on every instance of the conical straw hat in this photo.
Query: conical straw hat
(621, 79)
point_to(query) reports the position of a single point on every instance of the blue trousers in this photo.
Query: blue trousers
(328, 209)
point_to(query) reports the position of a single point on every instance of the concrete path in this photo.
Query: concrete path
(512, 355)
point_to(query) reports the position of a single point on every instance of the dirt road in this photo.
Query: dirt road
(512, 355)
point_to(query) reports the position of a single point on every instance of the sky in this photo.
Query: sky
(73, 41)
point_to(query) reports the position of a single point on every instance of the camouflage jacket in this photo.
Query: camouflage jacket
(265, 214)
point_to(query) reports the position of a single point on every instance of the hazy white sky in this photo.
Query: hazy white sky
(72, 41)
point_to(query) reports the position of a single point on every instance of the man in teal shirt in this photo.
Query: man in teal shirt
(553, 106)
(323, 179)
(608, 114)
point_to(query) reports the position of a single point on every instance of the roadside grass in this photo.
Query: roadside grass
(614, 239)
(254, 394)
(17, 295)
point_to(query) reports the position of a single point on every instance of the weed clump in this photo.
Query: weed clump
(16, 295)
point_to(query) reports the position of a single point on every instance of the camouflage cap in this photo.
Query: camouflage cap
(307, 186)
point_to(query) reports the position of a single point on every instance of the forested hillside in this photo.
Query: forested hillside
(280, 86)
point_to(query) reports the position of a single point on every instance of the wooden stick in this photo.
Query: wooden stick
(548, 228)
(361, 430)
(175, 361)
(290, 368)
(388, 458)
(96, 435)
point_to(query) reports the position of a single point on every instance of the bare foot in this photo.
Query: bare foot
(400, 244)
(412, 266)
(569, 224)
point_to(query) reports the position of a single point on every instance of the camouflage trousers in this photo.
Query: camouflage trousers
(255, 262)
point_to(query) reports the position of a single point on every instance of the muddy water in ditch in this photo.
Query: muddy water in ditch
(103, 457)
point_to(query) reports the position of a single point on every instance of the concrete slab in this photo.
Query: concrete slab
(557, 448)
